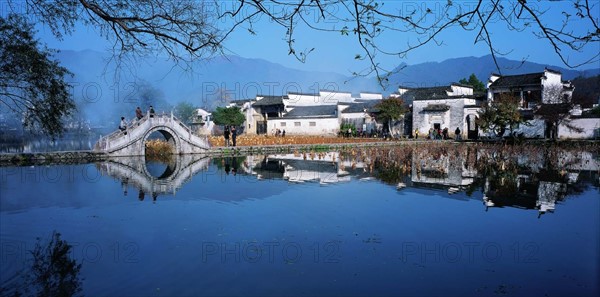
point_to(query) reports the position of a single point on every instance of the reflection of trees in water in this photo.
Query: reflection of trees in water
(508, 170)
(50, 272)
(389, 164)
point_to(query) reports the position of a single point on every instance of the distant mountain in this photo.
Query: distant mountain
(452, 70)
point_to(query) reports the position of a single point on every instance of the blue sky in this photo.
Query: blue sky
(334, 52)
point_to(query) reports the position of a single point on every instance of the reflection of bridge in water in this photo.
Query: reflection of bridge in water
(131, 142)
(134, 171)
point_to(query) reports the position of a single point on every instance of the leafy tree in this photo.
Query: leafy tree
(499, 114)
(231, 116)
(185, 112)
(390, 110)
(32, 84)
(473, 81)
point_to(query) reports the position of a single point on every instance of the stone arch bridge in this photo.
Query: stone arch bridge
(131, 142)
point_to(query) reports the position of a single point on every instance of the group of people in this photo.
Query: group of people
(139, 114)
(230, 132)
(440, 134)
(279, 133)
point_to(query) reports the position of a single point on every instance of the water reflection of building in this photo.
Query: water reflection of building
(521, 181)
(324, 167)
(448, 170)
(306, 167)
(538, 183)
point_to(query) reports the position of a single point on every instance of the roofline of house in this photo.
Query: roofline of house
(305, 117)
(304, 94)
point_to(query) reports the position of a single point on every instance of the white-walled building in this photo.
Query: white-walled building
(203, 123)
(536, 92)
(309, 114)
(443, 107)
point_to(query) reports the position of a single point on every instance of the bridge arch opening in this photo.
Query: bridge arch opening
(159, 143)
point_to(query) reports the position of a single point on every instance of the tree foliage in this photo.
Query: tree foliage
(500, 114)
(231, 116)
(185, 111)
(390, 110)
(32, 84)
(473, 81)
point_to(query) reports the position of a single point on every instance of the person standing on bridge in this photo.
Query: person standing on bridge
(123, 125)
(233, 135)
(226, 135)
(151, 111)
(138, 113)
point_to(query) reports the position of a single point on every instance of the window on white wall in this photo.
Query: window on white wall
(282, 124)
(297, 124)
(312, 124)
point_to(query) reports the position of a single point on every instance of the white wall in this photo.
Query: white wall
(302, 99)
(591, 129)
(460, 90)
(324, 127)
(371, 96)
(551, 78)
(331, 97)
(535, 129)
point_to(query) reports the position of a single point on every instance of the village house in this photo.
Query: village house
(202, 122)
(454, 106)
(308, 113)
(443, 107)
(539, 93)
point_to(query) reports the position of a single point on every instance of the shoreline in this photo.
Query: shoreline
(91, 156)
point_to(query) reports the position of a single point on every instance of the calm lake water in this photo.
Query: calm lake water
(437, 220)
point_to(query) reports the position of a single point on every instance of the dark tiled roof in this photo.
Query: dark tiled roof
(317, 111)
(436, 107)
(240, 102)
(518, 80)
(303, 94)
(426, 93)
(361, 107)
(268, 100)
